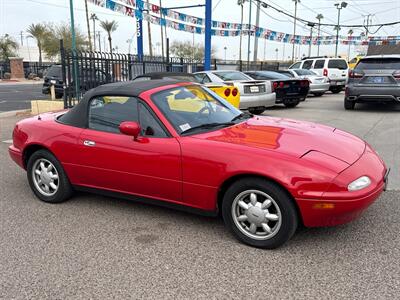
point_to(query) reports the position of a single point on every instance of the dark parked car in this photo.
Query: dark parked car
(88, 79)
(288, 90)
(374, 79)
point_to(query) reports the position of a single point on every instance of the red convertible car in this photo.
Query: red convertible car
(180, 144)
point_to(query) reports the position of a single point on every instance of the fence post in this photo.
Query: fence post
(63, 74)
(144, 66)
(240, 65)
(167, 47)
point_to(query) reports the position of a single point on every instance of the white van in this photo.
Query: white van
(335, 69)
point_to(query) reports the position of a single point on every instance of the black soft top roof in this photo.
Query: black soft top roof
(161, 75)
(77, 116)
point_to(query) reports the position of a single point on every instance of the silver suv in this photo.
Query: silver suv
(374, 79)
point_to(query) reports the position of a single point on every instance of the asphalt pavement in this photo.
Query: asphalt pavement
(99, 247)
(18, 96)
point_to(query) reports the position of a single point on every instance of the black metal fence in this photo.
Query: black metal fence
(92, 69)
(31, 68)
(96, 68)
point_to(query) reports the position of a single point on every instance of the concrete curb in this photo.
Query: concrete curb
(13, 113)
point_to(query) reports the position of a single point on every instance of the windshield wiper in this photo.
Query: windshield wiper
(207, 126)
(242, 115)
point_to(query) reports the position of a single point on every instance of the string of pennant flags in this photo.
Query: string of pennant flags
(157, 15)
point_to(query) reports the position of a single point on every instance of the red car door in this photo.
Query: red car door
(149, 167)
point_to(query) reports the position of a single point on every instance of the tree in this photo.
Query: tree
(187, 50)
(51, 45)
(109, 27)
(8, 47)
(38, 32)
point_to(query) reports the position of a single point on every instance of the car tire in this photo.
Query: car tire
(47, 177)
(291, 103)
(349, 105)
(256, 111)
(266, 220)
(336, 90)
(318, 94)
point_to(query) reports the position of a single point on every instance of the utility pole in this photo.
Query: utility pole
(339, 7)
(99, 39)
(162, 32)
(149, 35)
(255, 51)
(75, 65)
(249, 35)
(319, 18)
(350, 33)
(22, 38)
(94, 17)
(240, 2)
(88, 26)
(311, 32)
(294, 27)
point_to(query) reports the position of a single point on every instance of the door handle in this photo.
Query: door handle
(89, 143)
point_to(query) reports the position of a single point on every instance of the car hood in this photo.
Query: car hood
(291, 137)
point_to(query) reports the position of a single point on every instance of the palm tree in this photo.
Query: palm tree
(7, 47)
(38, 32)
(109, 26)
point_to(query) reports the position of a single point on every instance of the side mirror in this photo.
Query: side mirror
(130, 128)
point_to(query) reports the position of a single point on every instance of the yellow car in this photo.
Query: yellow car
(229, 93)
(353, 62)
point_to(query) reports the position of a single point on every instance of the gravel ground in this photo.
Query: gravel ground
(99, 247)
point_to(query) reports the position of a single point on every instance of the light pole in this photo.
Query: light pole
(339, 7)
(225, 53)
(94, 17)
(240, 2)
(294, 26)
(319, 18)
(311, 30)
(276, 54)
(350, 33)
(249, 35)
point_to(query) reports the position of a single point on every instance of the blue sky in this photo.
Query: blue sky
(16, 15)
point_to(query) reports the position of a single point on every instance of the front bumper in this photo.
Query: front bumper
(258, 100)
(338, 205)
(16, 156)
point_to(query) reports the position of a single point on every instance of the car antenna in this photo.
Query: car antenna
(37, 106)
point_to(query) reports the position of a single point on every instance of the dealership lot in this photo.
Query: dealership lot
(96, 247)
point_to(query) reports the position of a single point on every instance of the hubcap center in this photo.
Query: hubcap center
(255, 215)
(45, 177)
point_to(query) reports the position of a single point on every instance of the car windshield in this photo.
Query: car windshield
(379, 63)
(193, 109)
(231, 76)
(303, 72)
(272, 75)
(54, 71)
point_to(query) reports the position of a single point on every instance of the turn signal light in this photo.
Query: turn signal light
(355, 74)
(227, 92)
(323, 206)
(234, 92)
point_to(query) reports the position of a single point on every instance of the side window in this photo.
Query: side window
(141, 79)
(202, 78)
(149, 124)
(307, 64)
(295, 66)
(107, 112)
(319, 64)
